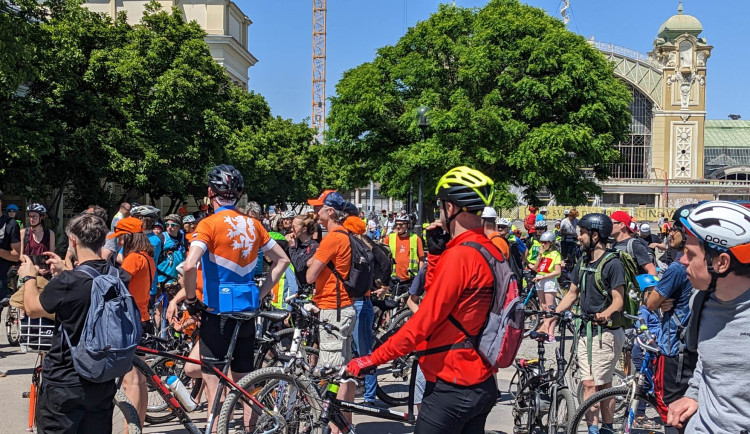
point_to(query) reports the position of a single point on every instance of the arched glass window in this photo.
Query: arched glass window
(635, 152)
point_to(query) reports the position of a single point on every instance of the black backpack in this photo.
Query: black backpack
(361, 270)
(383, 263)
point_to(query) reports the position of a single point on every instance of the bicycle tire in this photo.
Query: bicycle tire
(125, 415)
(393, 377)
(313, 353)
(566, 408)
(579, 425)
(531, 322)
(399, 320)
(301, 408)
(12, 326)
(618, 379)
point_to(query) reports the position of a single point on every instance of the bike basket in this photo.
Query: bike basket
(36, 334)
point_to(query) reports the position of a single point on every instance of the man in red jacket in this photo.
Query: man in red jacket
(461, 388)
(528, 222)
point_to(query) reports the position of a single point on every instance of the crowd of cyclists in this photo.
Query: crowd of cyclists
(689, 287)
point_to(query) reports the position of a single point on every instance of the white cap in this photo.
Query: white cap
(566, 212)
(633, 226)
(489, 213)
(645, 229)
(544, 209)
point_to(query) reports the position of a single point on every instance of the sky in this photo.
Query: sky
(281, 39)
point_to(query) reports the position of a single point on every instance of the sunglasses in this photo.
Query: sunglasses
(400, 224)
(176, 225)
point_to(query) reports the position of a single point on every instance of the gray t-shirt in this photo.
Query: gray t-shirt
(640, 252)
(111, 244)
(568, 229)
(721, 380)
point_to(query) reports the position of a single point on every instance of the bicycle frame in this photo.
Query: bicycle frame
(644, 374)
(332, 408)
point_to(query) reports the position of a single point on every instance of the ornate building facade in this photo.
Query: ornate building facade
(225, 24)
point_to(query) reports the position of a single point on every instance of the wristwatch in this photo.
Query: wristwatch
(27, 278)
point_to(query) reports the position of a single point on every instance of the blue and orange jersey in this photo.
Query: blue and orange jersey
(230, 243)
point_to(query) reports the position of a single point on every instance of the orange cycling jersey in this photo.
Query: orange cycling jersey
(230, 243)
(459, 284)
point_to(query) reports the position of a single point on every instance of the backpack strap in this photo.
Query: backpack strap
(339, 278)
(598, 273)
(89, 270)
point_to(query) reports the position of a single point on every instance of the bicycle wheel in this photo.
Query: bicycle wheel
(12, 326)
(559, 422)
(291, 403)
(271, 357)
(646, 421)
(393, 377)
(531, 322)
(157, 410)
(399, 320)
(618, 380)
(125, 417)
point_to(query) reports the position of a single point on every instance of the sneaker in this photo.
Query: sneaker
(2, 374)
(551, 340)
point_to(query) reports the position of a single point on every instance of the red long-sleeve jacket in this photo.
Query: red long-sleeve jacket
(460, 284)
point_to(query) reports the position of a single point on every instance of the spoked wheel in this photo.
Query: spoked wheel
(638, 417)
(394, 377)
(12, 325)
(531, 322)
(559, 421)
(125, 417)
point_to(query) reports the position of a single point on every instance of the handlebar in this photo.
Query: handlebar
(566, 315)
(304, 307)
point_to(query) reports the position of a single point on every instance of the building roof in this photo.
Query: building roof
(727, 134)
(679, 24)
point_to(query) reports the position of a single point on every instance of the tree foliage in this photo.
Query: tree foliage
(511, 92)
(144, 106)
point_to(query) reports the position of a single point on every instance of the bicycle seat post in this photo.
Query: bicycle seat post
(230, 351)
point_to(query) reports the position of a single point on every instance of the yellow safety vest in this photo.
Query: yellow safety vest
(533, 254)
(413, 254)
(278, 292)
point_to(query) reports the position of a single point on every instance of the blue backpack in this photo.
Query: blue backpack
(111, 332)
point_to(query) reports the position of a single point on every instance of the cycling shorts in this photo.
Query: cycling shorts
(216, 335)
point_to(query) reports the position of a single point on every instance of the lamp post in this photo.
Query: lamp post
(665, 201)
(423, 124)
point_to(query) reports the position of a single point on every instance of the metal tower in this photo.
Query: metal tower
(319, 69)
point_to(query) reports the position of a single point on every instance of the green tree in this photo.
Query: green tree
(512, 93)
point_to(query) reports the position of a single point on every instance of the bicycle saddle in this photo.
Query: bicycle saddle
(242, 316)
(539, 336)
(274, 315)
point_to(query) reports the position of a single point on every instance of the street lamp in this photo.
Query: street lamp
(423, 124)
(665, 202)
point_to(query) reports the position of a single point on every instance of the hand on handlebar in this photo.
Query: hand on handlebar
(195, 307)
(360, 366)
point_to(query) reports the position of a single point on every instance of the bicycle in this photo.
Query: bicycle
(11, 318)
(36, 335)
(542, 400)
(530, 301)
(636, 396)
(268, 421)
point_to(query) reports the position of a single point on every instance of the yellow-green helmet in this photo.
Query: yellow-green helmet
(469, 189)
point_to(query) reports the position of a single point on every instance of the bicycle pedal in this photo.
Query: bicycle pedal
(25, 395)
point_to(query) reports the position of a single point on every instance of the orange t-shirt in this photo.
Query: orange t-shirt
(502, 244)
(402, 255)
(334, 248)
(141, 268)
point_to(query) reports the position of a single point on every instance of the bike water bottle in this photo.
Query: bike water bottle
(181, 393)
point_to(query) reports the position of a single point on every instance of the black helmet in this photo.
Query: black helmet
(226, 181)
(597, 222)
(36, 207)
(682, 212)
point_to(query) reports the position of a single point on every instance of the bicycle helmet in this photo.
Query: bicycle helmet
(601, 223)
(173, 217)
(145, 211)
(36, 207)
(188, 219)
(489, 213)
(226, 181)
(469, 189)
(548, 237)
(502, 221)
(540, 224)
(12, 207)
(401, 219)
(646, 281)
(723, 226)
(288, 214)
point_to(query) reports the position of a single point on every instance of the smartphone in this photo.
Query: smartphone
(40, 261)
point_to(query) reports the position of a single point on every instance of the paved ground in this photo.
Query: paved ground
(19, 366)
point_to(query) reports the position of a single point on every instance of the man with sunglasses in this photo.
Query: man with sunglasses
(407, 250)
(624, 241)
(172, 252)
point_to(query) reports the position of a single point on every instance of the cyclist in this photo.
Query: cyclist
(515, 246)
(532, 255)
(10, 249)
(226, 244)
(623, 240)
(597, 360)
(407, 250)
(35, 238)
(568, 244)
(717, 257)
(489, 218)
(461, 388)
(548, 268)
(188, 224)
(12, 210)
(528, 222)
(285, 222)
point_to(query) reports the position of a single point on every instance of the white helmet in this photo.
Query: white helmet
(501, 221)
(489, 213)
(722, 225)
(548, 236)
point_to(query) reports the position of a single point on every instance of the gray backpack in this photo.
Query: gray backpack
(111, 332)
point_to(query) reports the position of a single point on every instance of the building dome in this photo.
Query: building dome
(678, 24)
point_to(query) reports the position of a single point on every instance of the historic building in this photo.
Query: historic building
(674, 154)
(225, 24)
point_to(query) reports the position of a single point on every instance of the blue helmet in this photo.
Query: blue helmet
(646, 281)
(12, 207)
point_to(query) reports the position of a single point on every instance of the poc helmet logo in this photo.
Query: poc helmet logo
(715, 240)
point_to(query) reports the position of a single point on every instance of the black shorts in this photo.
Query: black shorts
(216, 334)
(85, 408)
(451, 409)
(666, 386)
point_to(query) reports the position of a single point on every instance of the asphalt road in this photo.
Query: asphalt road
(19, 366)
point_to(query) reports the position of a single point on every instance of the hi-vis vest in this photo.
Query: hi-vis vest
(280, 292)
(413, 256)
